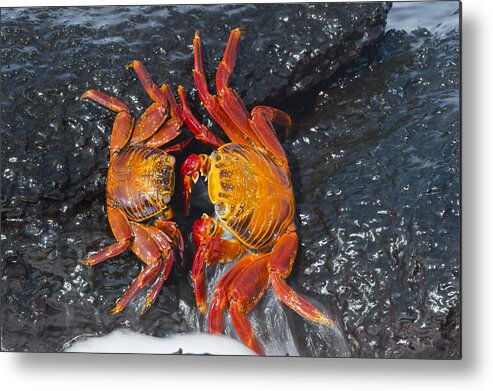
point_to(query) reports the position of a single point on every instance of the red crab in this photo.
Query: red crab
(249, 183)
(140, 184)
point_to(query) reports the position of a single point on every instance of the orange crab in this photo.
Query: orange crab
(140, 184)
(250, 186)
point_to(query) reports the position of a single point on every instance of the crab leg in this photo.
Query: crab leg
(155, 115)
(228, 62)
(123, 233)
(246, 290)
(221, 294)
(149, 122)
(164, 244)
(273, 115)
(298, 303)
(123, 124)
(178, 147)
(246, 282)
(244, 328)
(198, 278)
(145, 277)
(154, 92)
(281, 263)
(210, 101)
(258, 127)
(157, 285)
(150, 251)
(241, 287)
(211, 251)
(171, 229)
(229, 100)
(122, 130)
(261, 123)
(106, 101)
(200, 131)
(171, 129)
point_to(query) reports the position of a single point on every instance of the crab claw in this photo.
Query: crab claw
(201, 230)
(189, 174)
(192, 168)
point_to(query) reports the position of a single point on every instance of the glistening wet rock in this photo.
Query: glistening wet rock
(380, 208)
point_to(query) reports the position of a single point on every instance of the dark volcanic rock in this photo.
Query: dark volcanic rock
(379, 210)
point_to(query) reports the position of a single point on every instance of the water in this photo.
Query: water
(431, 15)
(374, 153)
(124, 341)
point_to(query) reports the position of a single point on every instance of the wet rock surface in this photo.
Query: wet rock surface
(373, 151)
(383, 245)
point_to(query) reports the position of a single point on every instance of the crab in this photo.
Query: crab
(249, 183)
(139, 186)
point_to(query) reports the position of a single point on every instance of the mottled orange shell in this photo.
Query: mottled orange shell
(253, 196)
(141, 181)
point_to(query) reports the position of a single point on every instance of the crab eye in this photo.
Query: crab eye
(220, 209)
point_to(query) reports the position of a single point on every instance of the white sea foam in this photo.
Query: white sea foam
(126, 341)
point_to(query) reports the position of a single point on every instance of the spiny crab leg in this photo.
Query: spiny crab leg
(105, 100)
(178, 147)
(257, 127)
(167, 256)
(151, 128)
(245, 283)
(211, 102)
(154, 92)
(155, 115)
(281, 263)
(171, 229)
(152, 247)
(123, 124)
(261, 123)
(200, 131)
(172, 128)
(149, 243)
(247, 290)
(240, 288)
(228, 62)
(297, 302)
(123, 234)
(220, 298)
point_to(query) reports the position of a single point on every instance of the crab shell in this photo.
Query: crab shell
(141, 181)
(253, 196)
